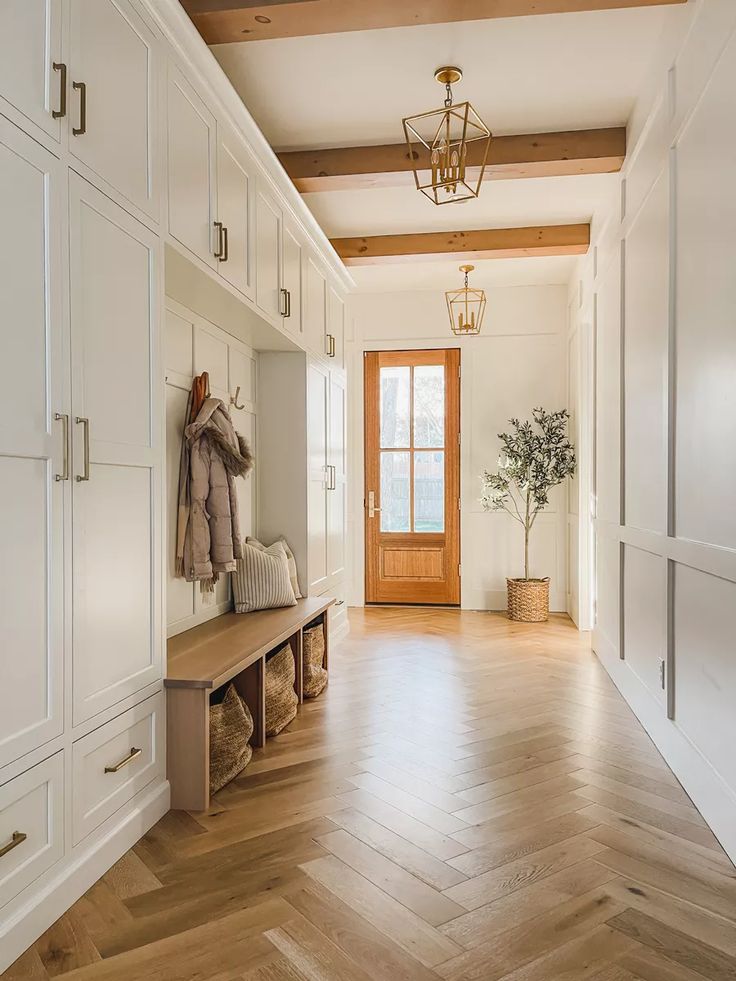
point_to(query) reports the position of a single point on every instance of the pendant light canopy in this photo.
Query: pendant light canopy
(448, 147)
(466, 307)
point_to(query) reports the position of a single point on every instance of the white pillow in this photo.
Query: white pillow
(289, 558)
(261, 579)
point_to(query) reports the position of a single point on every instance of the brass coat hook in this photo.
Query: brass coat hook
(234, 399)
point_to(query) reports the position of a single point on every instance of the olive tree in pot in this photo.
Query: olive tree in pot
(535, 456)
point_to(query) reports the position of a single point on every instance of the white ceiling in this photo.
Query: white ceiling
(524, 74)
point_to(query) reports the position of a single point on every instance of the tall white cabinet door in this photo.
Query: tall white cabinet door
(292, 280)
(112, 54)
(30, 45)
(32, 446)
(336, 327)
(315, 307)
(317, 429)
(337, 494)
(268, 255)
(192, 144)
(235, 193)
(116, 513)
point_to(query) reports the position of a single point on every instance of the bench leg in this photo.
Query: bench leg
(251, 686)
(188, 747)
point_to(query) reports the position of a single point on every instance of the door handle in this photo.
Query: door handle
(83, 421)
(332, 485)
(132, 755)
(331, 346)
(218, 228)
(82, 128)
(372, 509)
(64, 418)
(285, 303)
(59, 113)
(17, 838)
(288, 303)
(225, 245)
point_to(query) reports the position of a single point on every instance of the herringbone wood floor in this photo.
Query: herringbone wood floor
(470, 799)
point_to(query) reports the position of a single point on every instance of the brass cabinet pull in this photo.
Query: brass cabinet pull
(330, 346)
(288, 303)
(218, 227)
(17, 839)
(225, 245)
(59, 113)
(132, 755)
(64, 418)
(333, 478)
(284, 310)
(82, 128)
(83, 421)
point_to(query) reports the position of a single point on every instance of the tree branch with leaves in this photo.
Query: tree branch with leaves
(535, 456)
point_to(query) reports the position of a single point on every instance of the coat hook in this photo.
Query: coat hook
(234, 399)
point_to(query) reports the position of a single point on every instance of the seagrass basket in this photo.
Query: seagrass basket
(528, 600)
(281, 699)
(315, 675)
(231, 726)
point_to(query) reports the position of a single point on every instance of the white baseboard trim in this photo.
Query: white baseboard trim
(708, 791)
(77, 874)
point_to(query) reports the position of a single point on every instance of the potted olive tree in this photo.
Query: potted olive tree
(535, 456)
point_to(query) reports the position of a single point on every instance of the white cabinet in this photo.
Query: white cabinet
(236, 224)
(335, 346)
(30, 47)
(32, 446)
(315, 306)
(112, 99)
(116, 448)
(292, 280)
(268, 256)
(192, 191)
(337, 480)
(318, 381)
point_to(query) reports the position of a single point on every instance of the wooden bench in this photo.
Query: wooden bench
(233, 647)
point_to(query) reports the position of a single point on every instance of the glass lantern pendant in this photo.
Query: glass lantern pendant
(448, 147)
(466, 307)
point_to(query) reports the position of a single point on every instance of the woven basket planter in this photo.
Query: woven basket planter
(528, 600)
(231, 726)
(281, 699)
(315, 675)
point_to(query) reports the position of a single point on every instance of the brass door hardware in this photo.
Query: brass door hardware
(83, 421)
(330, 346)
(81, 87)
(372, 509)
(218, 227)
(59, 113)
(64, 418)
(225, 246)
(132, 755)
(285, 303)
(17, 839)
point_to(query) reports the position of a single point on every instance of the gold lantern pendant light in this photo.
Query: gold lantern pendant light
(466, 307)
(448, 147)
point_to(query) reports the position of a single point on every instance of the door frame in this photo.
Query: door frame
(452, 528)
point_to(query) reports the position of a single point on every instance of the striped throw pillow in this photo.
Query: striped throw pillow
(261, 579)
(289, 558)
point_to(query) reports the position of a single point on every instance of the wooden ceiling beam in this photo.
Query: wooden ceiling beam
(591, 151)
(491, 243)
(222, 21)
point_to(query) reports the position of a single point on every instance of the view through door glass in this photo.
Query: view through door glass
(412, 479)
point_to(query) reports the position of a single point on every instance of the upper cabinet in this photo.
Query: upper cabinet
(235, 227)
(191, 150)
(335, 345)
(291, 290)
(33, 77)
(315, 306)
(112, 98)
(268, 255)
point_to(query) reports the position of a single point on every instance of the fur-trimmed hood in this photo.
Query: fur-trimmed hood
(213, 423)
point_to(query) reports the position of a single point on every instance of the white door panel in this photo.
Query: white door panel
(268, 256)
(31, 446)
(317, 427)
(337, 495)
(336, 327)
(315, 307)
(292, 265)
(234, 204)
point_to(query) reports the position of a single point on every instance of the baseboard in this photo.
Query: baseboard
(341, 632)
(495, 600)
(706, 788)
(76, 875)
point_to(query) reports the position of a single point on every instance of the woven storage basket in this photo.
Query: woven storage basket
(281, 699)
(528, 599)
(315, 676)
(231, 726)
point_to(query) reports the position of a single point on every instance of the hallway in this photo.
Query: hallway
(470, 799)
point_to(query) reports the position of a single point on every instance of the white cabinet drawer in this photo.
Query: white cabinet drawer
(114, 762)
(31, 825)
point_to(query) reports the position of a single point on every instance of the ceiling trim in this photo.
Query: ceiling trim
(489, 243)
(223, 21)
(567, 154)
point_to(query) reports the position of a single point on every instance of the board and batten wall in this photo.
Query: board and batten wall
(193, 345)
(516, 363)
(659, 294)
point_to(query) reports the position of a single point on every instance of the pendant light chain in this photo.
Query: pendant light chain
(448, 95)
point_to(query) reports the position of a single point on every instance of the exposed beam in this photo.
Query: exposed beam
(491, 243)
(590, 151)
(220, 21)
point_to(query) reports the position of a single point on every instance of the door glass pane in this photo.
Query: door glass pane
(395, 384)
(395, 509)
(429, 491)
(429, 405)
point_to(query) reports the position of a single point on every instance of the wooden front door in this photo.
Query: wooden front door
(412, 477)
